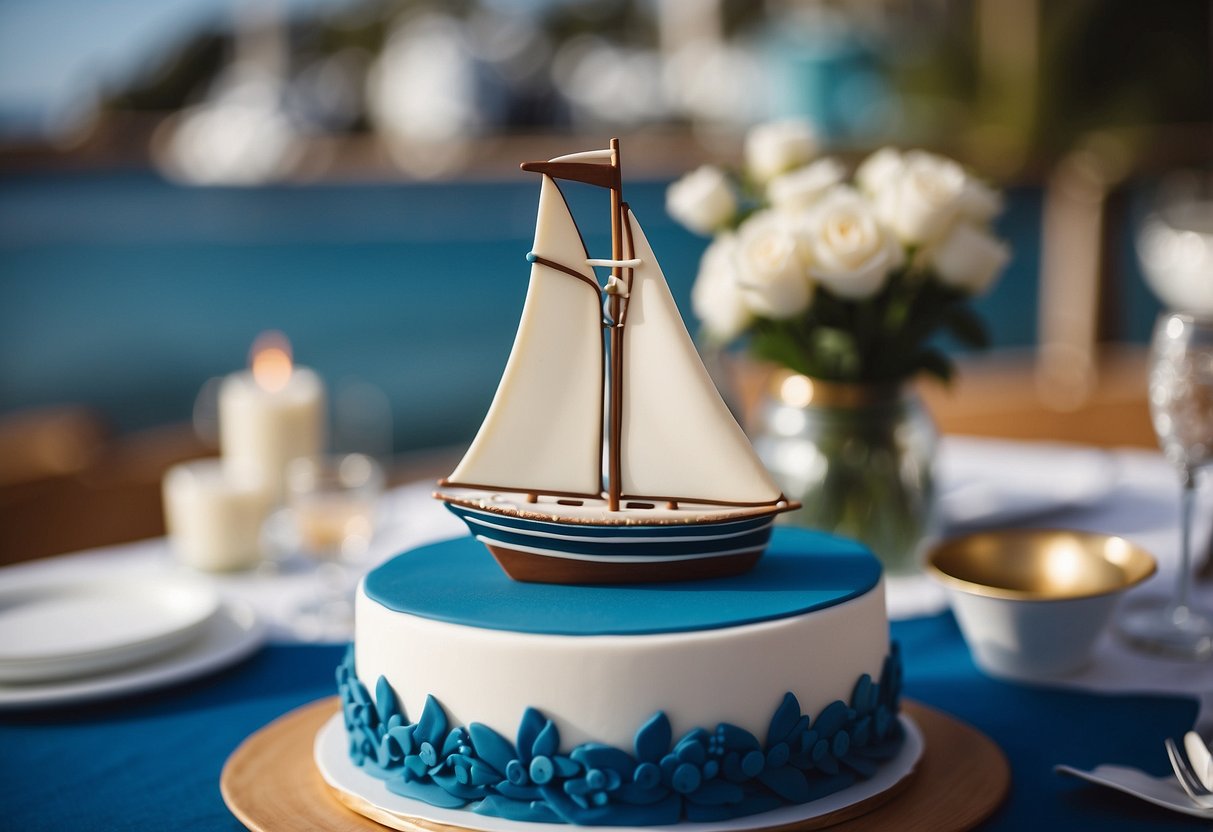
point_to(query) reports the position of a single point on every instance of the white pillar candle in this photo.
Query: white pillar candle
(214, 519)
(270, 415)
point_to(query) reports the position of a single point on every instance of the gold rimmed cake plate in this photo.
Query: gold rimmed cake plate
(272, 784)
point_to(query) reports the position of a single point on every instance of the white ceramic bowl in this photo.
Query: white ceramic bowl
(1031, 603)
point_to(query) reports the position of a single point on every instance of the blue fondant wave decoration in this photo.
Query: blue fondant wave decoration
(706, 775)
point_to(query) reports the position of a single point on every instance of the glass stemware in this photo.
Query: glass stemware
(331, 504)
(1181, 406)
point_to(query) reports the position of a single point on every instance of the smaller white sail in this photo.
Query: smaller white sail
(679, 438)
(543, 431)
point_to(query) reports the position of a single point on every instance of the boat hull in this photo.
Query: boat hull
(543, 551)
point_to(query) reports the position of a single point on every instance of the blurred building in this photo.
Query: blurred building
(1010, 84)
(177, 176)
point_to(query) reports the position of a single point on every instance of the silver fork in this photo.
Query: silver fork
(1187, 776)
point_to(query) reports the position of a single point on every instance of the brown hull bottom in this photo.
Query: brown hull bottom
(543, 569)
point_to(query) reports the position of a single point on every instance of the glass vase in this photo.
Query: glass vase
(859, 459)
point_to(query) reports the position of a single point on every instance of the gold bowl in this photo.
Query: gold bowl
(1031, 603)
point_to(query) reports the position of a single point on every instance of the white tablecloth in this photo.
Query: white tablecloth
(983, 483)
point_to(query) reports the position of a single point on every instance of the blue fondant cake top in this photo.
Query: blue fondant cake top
(458, 581)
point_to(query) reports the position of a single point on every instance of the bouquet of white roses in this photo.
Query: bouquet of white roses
(840, 280)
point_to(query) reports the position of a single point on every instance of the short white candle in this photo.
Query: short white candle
(214, 519)
(270, 415)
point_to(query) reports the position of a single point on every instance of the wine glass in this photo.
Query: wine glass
(331, 508)
(1181, 406)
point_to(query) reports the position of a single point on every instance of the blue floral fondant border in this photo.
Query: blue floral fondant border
(706, 775)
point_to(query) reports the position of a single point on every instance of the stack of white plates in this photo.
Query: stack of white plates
(69, 641)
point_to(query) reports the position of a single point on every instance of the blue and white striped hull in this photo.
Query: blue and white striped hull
(544, 551)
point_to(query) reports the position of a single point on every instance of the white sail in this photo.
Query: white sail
(679, 438)
(543, 431)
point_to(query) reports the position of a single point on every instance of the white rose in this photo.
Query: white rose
(879, 169)
(969, 258)
(1178, 265)
(799, 189)
(850, 252)
(778, 146)
(716, 298)
(770, 271)
(978, 201)
(923, 198)
(702, 200)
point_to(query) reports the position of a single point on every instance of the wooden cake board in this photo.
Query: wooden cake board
(271, 784)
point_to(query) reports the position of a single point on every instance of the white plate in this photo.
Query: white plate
(986, 483)
(232, 633)
(75, 628)
(331, 751)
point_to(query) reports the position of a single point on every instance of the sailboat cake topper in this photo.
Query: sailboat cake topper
(684, 495)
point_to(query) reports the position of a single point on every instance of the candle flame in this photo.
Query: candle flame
(270, 358)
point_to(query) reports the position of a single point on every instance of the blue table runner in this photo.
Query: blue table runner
(152, 762)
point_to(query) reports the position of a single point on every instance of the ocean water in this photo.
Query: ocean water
(126, 293)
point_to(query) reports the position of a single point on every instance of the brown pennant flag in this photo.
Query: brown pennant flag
(604, 176)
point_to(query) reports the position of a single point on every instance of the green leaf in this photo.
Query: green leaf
(776, 343)
(966, 326)
(837, 353)
(936, 363)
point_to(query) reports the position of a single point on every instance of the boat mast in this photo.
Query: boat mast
(605, 176)
(614, 461)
